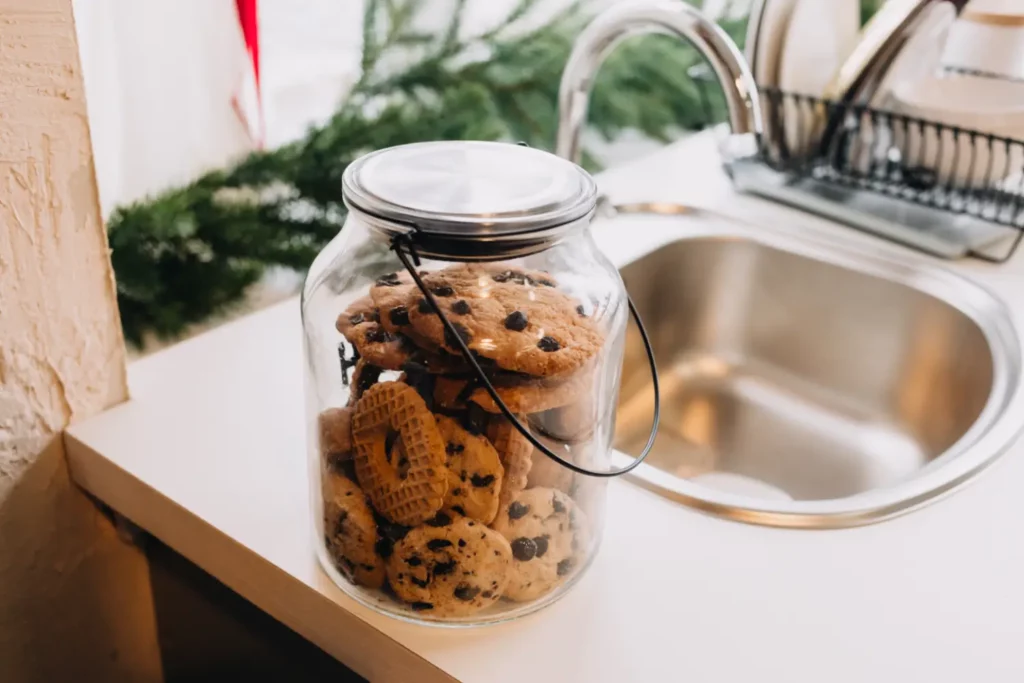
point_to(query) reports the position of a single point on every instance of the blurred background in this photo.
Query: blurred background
(221, 127)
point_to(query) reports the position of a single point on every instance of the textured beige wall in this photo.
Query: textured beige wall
(75, 602)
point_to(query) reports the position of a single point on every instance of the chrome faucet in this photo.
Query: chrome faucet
(674, 17)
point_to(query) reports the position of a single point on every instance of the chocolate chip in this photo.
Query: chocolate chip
(438, 543)
(516, 321)
(542, 545)
(442, 290)
(384, 547)
(423, 306)
(476, 419)
(462, 543)
(458, 508)
(564, 567)
(556, 504)
(422, 583)
(457, 492)
(460, 330)
(466, 593)
(461, 307)
(480, 482)
(378, 335)
(443, 568)
(453, 448)
(548, 344)
(579, 310)
(368, 567)
(439, 520)
(487, 594)
(339, 523)
(420, 606)
(524, 549)
(517, 510)
(414, 560)
(545, 282)
(367, 378)
(389, 280)
(388, 529)
(399, 315)
(347, 566)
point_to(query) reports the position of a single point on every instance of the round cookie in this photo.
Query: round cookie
(335, 435)
(549, 539)
(516, 454)
(350, 532)
(452, 566)
(509, 317)
(520, 394)
(475, 474)
(399, 453)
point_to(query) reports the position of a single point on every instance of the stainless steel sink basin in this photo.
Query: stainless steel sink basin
(804, 385)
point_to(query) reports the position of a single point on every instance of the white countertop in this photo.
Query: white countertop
(209, 457)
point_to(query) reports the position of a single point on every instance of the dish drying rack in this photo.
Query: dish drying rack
(945, 190)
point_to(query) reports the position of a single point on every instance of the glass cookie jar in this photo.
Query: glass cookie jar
(464, 339)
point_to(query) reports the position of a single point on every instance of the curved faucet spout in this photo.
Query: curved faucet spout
(665, 16)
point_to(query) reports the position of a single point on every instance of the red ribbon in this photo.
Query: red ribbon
(248, 17)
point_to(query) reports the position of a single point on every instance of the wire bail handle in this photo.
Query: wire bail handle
(405, 248)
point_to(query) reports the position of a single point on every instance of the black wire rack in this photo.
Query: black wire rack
(943, 189)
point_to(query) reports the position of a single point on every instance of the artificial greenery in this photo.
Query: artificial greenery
(191, 252)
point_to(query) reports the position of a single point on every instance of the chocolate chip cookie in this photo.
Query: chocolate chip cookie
(549, 538)
(519, 322)
(399, 453)
(451, 566)
(350, 532)
(475, 473)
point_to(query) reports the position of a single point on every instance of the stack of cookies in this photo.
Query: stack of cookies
(428, 490)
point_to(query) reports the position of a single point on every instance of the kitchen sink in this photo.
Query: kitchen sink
(814, 386)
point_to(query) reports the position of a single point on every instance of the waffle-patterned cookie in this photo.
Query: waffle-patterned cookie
(399, 453)
(516, 454)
